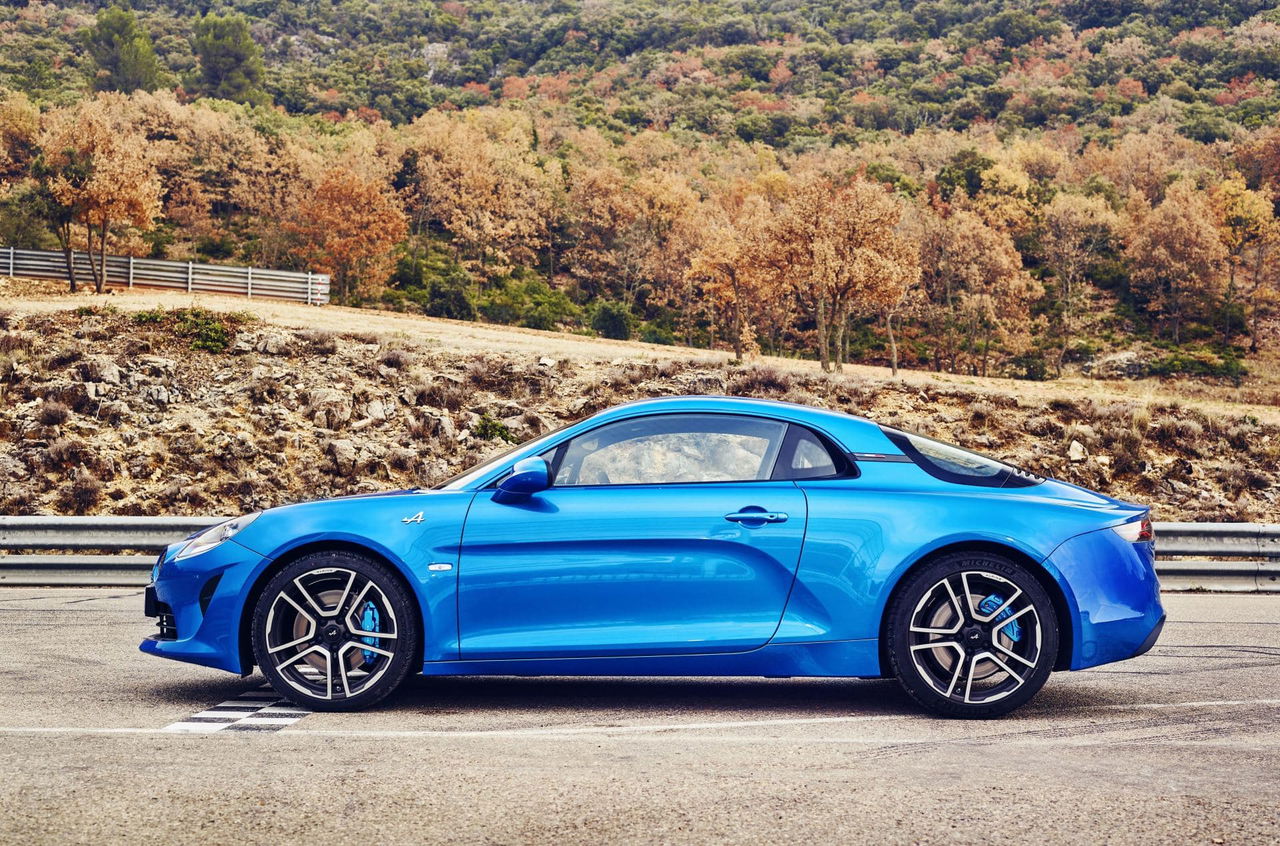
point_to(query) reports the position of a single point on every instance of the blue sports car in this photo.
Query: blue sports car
(689, 536)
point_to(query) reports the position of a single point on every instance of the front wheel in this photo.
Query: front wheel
(972, 635)
(335, 631)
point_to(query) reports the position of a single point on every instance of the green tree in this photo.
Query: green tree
(612, 320)
(122, 53)
(230, 60)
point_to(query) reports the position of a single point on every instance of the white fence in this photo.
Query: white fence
(127, 272)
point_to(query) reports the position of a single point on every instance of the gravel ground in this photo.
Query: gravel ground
(1182, 745)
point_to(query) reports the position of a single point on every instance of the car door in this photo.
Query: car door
(659, 535)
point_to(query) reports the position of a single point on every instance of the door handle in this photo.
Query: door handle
(757, 517)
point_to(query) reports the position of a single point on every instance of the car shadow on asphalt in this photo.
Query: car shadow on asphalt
(636, 696)
(722, 698)
(198, 694)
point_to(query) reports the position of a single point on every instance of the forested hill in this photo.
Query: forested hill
(813, 63)
(1003, 186)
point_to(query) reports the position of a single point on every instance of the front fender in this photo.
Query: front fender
(410, 531)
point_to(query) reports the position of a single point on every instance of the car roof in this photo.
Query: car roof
(711, 402)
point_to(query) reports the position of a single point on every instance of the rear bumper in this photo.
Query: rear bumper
(1151, 638)
(1115, 595)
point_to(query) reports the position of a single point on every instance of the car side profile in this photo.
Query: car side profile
(685, 536)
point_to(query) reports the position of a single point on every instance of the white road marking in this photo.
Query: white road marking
(245, 711)
(659, 730)
(193, 728)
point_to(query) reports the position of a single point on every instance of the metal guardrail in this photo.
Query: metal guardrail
(127, 271)
(133, 541)
(1189, 555)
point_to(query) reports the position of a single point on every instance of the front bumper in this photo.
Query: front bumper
(1115, 595)
(196, 603)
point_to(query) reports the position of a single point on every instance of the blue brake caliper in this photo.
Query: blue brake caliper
(369, 622)
(988, 606)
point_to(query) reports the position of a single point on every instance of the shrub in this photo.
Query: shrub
(489, 429)
(148, 316)
(63, 356)
(206, 330)
(759, 380)
(1200, 363)
(450, 296)
(441, 394)
(612, 320)
(81, 494)
(52, 414)
(652, 334)
(210, 331)
(320, 341)
(491, 374)
(527, 301)
(395, 358)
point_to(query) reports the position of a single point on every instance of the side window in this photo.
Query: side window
(810, 459)
(671, 448)
(807, 456)
(956, 464)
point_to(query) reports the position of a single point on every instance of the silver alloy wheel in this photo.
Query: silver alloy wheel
(331, 633)
(975, 637)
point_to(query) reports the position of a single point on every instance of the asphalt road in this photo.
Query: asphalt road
(1181, 745)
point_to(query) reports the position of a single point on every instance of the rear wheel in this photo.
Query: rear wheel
(973, 634)
(335, 631)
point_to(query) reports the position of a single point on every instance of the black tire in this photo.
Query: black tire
(335, 631)
(972, 635)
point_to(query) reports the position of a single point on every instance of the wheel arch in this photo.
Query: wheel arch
(245, 635)
(1050, 584)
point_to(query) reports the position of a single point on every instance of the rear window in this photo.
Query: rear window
(956, 464)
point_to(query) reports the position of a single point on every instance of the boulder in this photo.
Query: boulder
(99, 368)
(343, 453)
(1127, 364)
(329, 408)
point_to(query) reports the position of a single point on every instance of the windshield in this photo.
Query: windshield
(471, 475)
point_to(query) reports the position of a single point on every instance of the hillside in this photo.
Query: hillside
(134, 409)
(1018, 188)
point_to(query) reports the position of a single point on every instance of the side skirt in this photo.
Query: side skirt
(837, 659)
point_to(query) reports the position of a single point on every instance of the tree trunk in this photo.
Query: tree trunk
(841, 352)
(68, 255)
(824, 352)
(93, 266)
(893, 345)
(102, 259)
(737, 318)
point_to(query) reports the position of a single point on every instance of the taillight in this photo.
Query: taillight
(1139, 531)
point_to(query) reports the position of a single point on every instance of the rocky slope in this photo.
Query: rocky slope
(163, 412)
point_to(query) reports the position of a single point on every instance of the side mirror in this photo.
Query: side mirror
(528, 477)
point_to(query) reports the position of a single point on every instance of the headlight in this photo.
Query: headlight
(215, 535)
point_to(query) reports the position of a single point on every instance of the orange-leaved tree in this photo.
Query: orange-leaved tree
(349, 227)
(839, 248)
(1177, 255)
(1246, 223)
(98, 172)
(727, 264)
(1074, 230)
